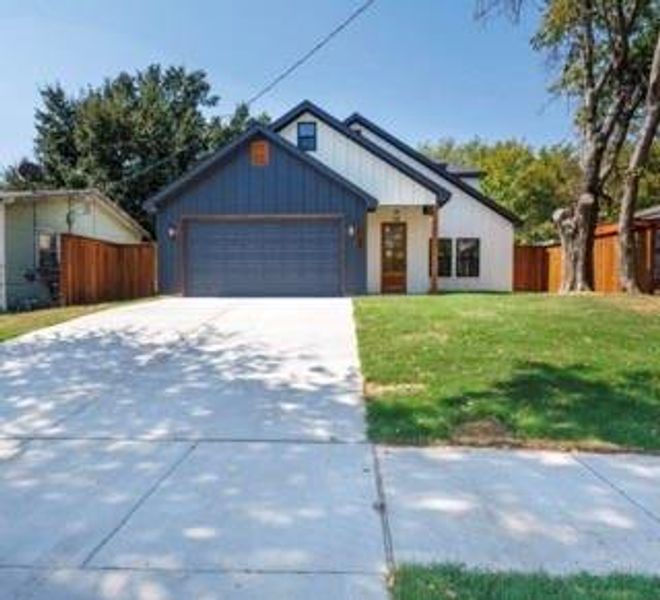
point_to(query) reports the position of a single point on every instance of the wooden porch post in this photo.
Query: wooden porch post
(434, 250)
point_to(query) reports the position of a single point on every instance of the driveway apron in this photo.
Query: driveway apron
(189, 448)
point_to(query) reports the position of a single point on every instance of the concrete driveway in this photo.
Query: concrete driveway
(189, 448)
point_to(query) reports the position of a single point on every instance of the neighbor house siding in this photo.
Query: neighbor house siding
(24, 218)
(21, 255)
(371, 173)
(464, 216)
(286, 186)
(3, 281)
(418, 232)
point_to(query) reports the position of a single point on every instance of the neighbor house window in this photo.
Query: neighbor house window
(46, 252)
(444, 257)
(467, 257)
(307, 136)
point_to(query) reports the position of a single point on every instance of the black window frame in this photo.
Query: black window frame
(307, 142)
(469, 266)
(443, 261)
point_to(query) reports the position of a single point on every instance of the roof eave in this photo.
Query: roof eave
(441, 171)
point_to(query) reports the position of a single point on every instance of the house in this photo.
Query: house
(312, 205)
(30, 226)
(649, 219)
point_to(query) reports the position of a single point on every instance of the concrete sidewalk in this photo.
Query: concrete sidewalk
(523, 510)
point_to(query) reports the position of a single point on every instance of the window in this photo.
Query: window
(444, 257)
(46, 252)
(307, 136)
(259, 153)
(467, 257)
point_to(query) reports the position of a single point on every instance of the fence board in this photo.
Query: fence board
(96, 271)
(538, 268)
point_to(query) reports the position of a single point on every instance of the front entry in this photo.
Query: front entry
(393, 258)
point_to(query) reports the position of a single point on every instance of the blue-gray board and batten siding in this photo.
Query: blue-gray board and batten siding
(286, 202)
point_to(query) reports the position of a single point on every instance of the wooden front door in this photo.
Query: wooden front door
(393, 258)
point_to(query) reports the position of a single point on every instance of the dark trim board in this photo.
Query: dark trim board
(454, 178)
(259, 218)
(442, 194)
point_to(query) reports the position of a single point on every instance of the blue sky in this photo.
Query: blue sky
(422, 68)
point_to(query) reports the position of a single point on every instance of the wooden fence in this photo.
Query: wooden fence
(538, 268)
(96, 271)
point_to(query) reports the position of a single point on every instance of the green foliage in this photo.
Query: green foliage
(532, 183)
(130, 136)
(453, 582)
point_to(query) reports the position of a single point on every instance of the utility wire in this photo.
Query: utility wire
(268, 87)
(303, 59)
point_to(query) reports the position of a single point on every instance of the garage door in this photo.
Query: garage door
(290, 257)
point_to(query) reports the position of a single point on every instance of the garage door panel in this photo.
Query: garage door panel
(259, 258)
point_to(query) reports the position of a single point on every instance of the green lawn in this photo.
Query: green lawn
(456, 583)
(13, 324)
(524, 369)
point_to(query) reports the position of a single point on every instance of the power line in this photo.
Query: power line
(303, 59)
(269, 86)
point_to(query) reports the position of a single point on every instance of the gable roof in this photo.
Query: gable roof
(306, 106)
(226, 152)
(652, 212)
(55, 194)
(438, 168)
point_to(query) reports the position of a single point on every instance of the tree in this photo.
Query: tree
(603, 54)
(55, 146)
(130, 136)
(638, 160)
(532, 183)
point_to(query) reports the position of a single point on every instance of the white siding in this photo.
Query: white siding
(90, 218)
(3, 276)
(475, 182)
(464, 216)
(374, 175)
(418, 232)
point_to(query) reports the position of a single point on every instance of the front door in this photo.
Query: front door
(393, 258)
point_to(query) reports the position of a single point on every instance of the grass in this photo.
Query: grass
(535, 370)
(456, 583)
(15, 324)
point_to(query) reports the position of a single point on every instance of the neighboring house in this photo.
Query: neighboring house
(316, 206)
(30, 225)
(651, 218)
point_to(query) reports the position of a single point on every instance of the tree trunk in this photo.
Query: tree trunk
(565, 222)
(638, 160)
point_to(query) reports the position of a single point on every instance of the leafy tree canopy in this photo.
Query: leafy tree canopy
(533, 183)
(129, 137)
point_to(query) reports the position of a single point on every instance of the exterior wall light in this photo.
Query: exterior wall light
(172, 231)
(351, 230)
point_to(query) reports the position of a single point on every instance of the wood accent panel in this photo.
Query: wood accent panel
(94, 271)
(259, 153)
(393, 258)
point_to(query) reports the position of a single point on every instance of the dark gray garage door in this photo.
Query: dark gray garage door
(290, 257)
